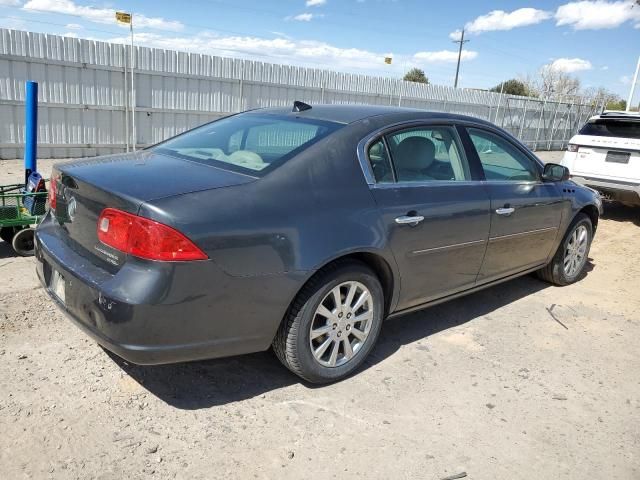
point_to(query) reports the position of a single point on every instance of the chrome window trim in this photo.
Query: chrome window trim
(366, 142)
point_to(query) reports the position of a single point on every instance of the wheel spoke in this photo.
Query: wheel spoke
(350, 294)
(319, 352)
(360, 302)
(359, 334)
(348, 351)
(325, 312)
(337, 297)
(368, 315)
(318, 332)
(334, 354)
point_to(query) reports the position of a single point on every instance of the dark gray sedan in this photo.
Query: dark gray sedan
(303, 230)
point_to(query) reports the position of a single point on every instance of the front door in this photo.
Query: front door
(436, 216)
(525, 212)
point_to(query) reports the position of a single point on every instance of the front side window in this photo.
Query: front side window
(500, 159)
(423, 154)
(248, 143)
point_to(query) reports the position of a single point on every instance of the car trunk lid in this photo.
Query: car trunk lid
(86, 187)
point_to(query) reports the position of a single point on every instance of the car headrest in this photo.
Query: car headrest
(415, 153)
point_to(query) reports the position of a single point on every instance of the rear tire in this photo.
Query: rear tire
(7, 233)
(569, 261)
(322, 341)
(24, 242)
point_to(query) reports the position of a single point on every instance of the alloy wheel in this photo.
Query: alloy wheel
(575, 254)
(341, 324)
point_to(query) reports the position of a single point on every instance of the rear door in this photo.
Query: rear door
(435, 214)
(608, 148)
(525, 212)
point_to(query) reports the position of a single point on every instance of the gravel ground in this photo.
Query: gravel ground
(520, 381)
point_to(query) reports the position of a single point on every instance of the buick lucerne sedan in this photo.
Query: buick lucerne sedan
(301, 229)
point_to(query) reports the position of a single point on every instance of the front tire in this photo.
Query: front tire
(569, 261)
(332, 324)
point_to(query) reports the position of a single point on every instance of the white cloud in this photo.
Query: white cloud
(73, 26)
(597, 14)
(10, 3)
(276, 50)
(625, 80)
(444, 56)
(302, 17)
(315, 3)
(98, 15)
(570, 65)
(604, 67)
(501, 20)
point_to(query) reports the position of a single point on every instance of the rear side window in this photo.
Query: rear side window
(501, 160)
(419, 154)
(248, 143)
(612, 128)
(380, 162)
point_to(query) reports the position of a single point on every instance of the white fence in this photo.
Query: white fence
(84, 99)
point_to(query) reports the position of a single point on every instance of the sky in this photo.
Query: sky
(596, 40)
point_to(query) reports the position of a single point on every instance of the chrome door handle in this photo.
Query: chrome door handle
(505, 211)
(409, 220)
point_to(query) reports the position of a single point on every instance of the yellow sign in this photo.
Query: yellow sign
(123, 17)
(388, 60)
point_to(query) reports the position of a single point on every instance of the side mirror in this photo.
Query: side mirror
(555, 173)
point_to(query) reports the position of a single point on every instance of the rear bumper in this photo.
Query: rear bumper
(626, 192)
(165, 312)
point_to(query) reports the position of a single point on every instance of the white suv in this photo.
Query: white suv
(605, 155)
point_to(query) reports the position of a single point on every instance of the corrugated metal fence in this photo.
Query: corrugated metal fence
(85, 100)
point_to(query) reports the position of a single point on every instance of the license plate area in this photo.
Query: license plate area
(618, 157)
(57, 286)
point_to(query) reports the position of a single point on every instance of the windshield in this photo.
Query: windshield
(612, 128)
(248, 143)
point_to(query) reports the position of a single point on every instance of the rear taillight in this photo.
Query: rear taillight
(53, 192)
(144, 238)
(572, 148)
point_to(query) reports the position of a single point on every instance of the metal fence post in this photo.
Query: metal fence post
(524, 116)
(126, 98)
(553, 123)
(541, 121)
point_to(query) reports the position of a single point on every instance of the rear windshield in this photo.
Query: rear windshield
(612, 128)
(248, 143)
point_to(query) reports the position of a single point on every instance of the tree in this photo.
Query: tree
(600, 95)
(551, 81)
(416, 75)
(512, 87)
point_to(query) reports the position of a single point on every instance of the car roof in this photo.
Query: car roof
(352, 113)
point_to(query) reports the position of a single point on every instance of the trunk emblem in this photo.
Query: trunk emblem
(72, 206)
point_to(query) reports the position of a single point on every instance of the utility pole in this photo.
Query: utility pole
(633, 86)
(462, 41)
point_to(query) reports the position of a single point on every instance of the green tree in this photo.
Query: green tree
(618, 104)
(512, 87)
(416, 75)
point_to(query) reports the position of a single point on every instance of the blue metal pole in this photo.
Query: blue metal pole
(31, 130)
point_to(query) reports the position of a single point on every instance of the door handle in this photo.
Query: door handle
(412, 220)
(505, 211)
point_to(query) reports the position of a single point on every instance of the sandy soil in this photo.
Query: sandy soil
(520, 381)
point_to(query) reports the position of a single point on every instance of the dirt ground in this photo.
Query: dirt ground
(520, 381)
